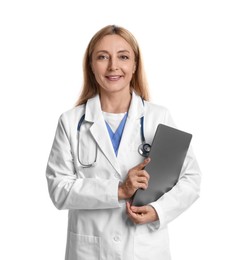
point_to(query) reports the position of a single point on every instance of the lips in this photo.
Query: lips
(113, 77)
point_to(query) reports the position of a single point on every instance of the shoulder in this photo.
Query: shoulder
(72, 116)
(155, 107)
(157, 113)
(75, 111)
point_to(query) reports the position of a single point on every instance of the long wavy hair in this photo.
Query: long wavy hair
(90, 86)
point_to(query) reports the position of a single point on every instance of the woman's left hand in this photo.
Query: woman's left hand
(141, 215)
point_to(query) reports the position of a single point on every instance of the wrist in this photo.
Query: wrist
(121, 193)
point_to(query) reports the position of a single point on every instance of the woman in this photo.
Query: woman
(94, 166)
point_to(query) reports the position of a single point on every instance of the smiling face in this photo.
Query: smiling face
(113, 64)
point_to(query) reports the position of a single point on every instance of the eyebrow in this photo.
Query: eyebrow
(121, 51)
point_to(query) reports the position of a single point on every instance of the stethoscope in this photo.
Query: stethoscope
(143, 149)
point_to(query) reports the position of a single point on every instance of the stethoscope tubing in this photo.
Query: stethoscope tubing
(143, 149)
(78, 148)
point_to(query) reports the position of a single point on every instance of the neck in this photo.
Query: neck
(115, 103)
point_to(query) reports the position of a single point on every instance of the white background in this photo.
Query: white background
(192, 59)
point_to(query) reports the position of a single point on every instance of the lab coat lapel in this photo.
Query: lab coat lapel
(99, 131)
(132, 129)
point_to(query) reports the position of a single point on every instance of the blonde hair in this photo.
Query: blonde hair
(90, 86)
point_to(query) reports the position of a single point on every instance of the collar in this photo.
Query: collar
(94, 112)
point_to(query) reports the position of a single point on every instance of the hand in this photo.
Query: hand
(137, 178)
(141, 215)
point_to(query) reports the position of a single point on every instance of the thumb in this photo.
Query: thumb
(143, 164)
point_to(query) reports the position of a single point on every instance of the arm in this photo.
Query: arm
(182, 195)
(65, 189)
(137, 178)
(178, 199)
(172, 203)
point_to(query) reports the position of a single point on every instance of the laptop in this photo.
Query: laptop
(168, 152)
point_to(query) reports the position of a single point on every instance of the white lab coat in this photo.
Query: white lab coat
(98, 227)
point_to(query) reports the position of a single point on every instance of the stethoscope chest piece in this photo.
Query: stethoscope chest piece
(144, 149)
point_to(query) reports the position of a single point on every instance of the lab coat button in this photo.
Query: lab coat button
(116, 239)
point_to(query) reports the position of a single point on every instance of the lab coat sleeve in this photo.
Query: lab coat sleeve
(183, 194)
(65, 189)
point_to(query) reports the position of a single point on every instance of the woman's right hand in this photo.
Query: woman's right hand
(137, 178)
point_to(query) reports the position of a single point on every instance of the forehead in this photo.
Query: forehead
(113, 43)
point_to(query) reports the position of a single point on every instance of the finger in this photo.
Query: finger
(131, 214)
(128, 204)
(137, 218)
(143, 186)
(143, 173)
(139, 210)
(143, 164)
(129, 211)
(142, 180)
(144, 214)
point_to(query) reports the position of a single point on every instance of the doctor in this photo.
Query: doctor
(95, 166)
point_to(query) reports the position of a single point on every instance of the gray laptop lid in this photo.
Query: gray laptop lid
(167, 154)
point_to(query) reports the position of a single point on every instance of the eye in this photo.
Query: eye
(124, 57)
(102, 57)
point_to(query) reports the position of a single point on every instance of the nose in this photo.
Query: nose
(113, 64)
